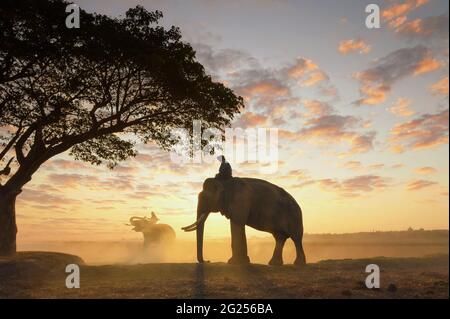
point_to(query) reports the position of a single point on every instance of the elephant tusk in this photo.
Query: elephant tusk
(190, 227)
(194, 225)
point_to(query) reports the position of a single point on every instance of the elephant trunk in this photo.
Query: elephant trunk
(199, 226)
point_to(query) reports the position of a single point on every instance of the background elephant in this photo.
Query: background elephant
(153, 233)
(256, 203)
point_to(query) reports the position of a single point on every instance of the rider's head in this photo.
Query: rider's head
(221, 158)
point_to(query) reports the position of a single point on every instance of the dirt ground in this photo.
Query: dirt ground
(42, 275)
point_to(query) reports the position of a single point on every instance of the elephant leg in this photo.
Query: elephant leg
(277, 258)
(238, 244)
(301, 258)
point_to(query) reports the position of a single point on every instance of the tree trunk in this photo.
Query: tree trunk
(8, 227)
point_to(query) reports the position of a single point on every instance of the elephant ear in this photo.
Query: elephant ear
(236, 196)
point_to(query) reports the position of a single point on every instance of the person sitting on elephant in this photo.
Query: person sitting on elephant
(224, 169)
(224, 175)
(153, 219)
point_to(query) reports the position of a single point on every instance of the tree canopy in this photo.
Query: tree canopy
(76, 88)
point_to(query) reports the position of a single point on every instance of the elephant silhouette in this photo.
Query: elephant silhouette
(256, 203)
(153, 232)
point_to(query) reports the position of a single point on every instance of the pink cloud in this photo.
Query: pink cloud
(376, 82)
(401, 108)
(351, 46)
(440, 87)
(419, 184)
(426, 170)
(426, 131)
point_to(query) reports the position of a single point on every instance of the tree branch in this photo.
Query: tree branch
(11, 142)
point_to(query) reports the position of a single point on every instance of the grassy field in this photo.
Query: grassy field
(42, 275)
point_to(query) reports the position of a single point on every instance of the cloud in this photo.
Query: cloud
(72, 180)
(314, 78)
(353, 165)
(125, 169)
(317, 108)
(354, 186)
(122, 182)
(425, 131)
(435, 27)
(43, 197)
(306, 72)
(374, 94)
(397, 22)
(376, 166)
(357, 165)
(270, 92)
(152, 159)
(330, 91)
(419, 184)
(401, 108)
(440, 87)
(376, 82)
(299, 174)
(67, 165)
(322, 125)
(301, 67)
(264, 88)
(261, 88)
(346, 187)
(401, 9)
(337, 128)
(361, 143)
(250, 119)
(429, 28)
(427, 65)
(425, 170)
(226, 60)
(351, 46)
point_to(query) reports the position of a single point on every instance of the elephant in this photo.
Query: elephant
(153, 232)
(256, 203)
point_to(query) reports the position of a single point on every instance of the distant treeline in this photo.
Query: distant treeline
(414, 237)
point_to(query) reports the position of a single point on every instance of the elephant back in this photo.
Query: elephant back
(272, 208)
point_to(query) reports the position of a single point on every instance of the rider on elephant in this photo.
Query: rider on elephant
(224, 175)
(224, 169)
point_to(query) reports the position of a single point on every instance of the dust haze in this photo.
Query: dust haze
(411, 243)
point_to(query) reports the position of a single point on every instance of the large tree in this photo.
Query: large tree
(88, 90)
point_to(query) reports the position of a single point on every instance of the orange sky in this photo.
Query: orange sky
(362, 119)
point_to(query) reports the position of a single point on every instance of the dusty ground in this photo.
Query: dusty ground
(42, 275)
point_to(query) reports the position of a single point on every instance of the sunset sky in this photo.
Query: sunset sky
(362, 119)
